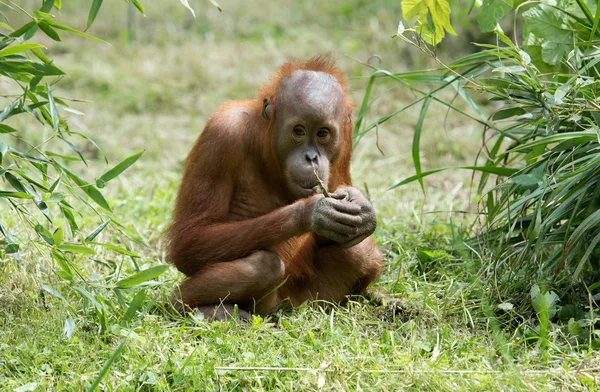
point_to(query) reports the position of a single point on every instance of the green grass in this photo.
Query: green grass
(155, 94)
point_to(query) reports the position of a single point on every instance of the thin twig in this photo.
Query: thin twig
(393, 371)
(320, 184)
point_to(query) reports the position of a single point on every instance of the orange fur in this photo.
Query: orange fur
(233, 158)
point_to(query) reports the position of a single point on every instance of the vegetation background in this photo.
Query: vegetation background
(153, 88)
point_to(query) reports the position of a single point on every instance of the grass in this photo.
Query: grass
(156, 94)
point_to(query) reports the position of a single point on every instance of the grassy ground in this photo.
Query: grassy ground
(155, 94)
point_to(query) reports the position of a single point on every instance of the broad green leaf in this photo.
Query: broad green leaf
(491, 12)
(142, 276)
(118, 169)
(549, 27)
(544, 302)
(413, 8)
(433, 17)
(14, 49)
(75, 248)
(95, 7)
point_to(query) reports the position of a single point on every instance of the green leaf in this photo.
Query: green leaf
(40, 55)
(433, 17)
(45, 234)
(65, 271)
(549, 28)
(491, 12)
(42, 15)
(74, 148)
(90, 190)
(118, 169)
(139, 6)
(96, 196)
(90, 237)
(14, 49)
(24, 29)
(54, 292)
(416, 149)
(49, 31)
(58, 236)
(16, 195)
(12, 248)
(96, 4)
(116, 248)
(53, 111)
(142, 276)
(75, 248)
(544, 303)
(47, 5)
(500, 171)
(507, 113)
(16, 183)
(526, 180)
(135, 304)
(59, 26)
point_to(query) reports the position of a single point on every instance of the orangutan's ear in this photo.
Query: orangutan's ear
(267, 109)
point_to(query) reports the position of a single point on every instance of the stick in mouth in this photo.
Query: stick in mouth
(320, 184)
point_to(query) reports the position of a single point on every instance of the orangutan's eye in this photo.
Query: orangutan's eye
(299, 131)
(323, 133)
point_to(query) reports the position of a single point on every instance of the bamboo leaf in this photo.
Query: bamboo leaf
(142, 276)
(75, 248)
(95, 7)
(118, 169)
(14, 49)
(416, 149)
(500, 171)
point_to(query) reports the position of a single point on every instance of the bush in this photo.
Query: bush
(48, 199)
(540, 161)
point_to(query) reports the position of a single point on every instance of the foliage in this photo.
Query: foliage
(542, 213)
(433, 18)
(49, 198)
